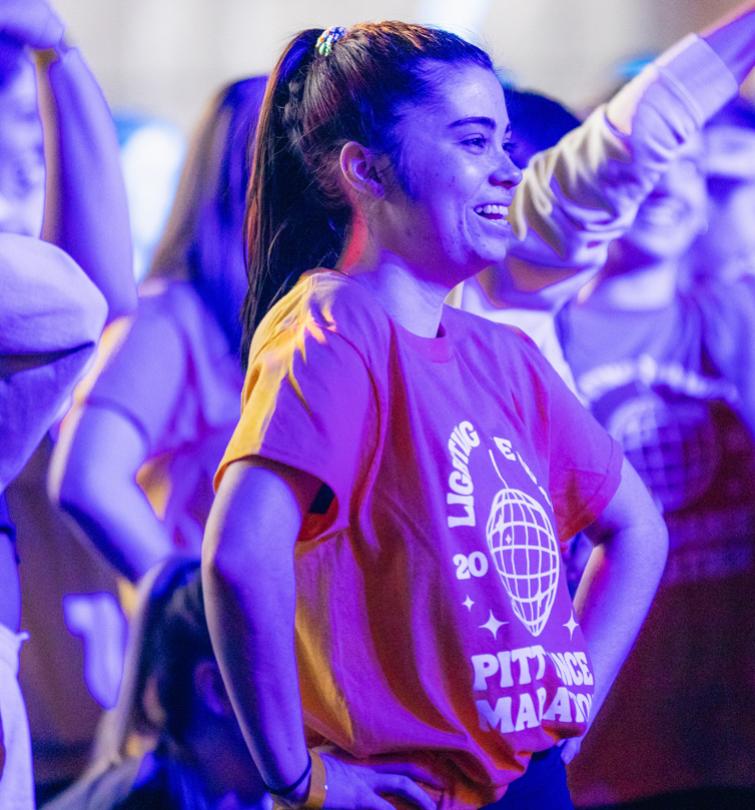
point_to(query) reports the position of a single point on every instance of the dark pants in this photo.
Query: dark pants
(541, 787)
(702, 799)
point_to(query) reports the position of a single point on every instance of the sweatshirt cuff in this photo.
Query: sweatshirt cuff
(699, 74)
(692, 72)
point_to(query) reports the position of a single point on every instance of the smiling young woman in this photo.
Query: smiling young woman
(402, 474)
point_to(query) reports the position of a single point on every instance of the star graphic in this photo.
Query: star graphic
(492, 624)
(571, 625)
(468, 602)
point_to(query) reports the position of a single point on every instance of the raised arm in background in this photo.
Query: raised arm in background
(86, 210)
(583, 193)
(51, 314)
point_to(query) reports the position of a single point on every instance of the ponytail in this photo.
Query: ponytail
(290, 226)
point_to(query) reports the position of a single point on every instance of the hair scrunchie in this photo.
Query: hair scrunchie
(328, 39)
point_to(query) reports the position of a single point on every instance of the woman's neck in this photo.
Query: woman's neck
(408, 294)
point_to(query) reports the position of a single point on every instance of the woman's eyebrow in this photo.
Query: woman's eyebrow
(480, 120)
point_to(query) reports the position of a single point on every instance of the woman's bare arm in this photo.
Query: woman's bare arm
(619, 581)
(250, 599)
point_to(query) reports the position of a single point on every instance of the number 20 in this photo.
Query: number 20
(474, 565)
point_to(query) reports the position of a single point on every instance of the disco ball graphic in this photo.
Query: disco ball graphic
(672, 445)
(524, 548)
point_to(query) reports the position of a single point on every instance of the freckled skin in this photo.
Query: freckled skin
(450, 168)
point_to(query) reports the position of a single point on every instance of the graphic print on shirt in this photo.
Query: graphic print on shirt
(523, 545)
(517, 684)
(519, 533)
(679, 430)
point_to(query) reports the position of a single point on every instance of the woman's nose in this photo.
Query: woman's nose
(506, 173)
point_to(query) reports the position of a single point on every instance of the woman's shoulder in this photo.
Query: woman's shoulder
(500, 348)
(327, 303)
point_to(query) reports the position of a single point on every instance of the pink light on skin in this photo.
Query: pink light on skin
(440, 216)
(460, 175)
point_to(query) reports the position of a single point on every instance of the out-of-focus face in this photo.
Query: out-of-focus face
(727, 248)
(674, 212)
(450, 217)
(22, 174)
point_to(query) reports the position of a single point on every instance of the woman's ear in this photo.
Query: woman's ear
(210, 689)
(360, 171)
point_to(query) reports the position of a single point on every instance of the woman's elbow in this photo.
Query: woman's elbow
(645, 542)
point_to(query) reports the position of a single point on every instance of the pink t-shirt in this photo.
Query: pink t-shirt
(433, 620)
(186, 433)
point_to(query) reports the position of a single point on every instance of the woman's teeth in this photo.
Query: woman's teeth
(492, 211)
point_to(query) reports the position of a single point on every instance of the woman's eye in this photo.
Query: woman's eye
(475, 141)
(509, 147)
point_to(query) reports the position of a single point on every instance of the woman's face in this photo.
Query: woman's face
(448, 215)
(673, 213)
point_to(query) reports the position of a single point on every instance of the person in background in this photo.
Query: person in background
(513, 293)
(72, 611)
(669, 374)
(135, 457)
(197, 759)
(57, 292)
(726, 248)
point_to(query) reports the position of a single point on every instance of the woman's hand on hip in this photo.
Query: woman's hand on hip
(358, 786)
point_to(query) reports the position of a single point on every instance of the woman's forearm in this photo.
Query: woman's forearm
(93, 477)
(615, 594)
(86, 208)
(250, 598)
(122, 525)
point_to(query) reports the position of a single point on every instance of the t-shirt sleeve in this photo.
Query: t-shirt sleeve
(308, 403)
(145, 375)
(584, 461)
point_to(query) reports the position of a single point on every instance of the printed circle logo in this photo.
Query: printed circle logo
(524, 548)
(672, 445)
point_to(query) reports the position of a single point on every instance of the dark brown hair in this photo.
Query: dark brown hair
(298, 215)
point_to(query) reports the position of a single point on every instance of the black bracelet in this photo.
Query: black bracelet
(287, 790)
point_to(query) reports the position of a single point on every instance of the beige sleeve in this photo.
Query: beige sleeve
(583, 193)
